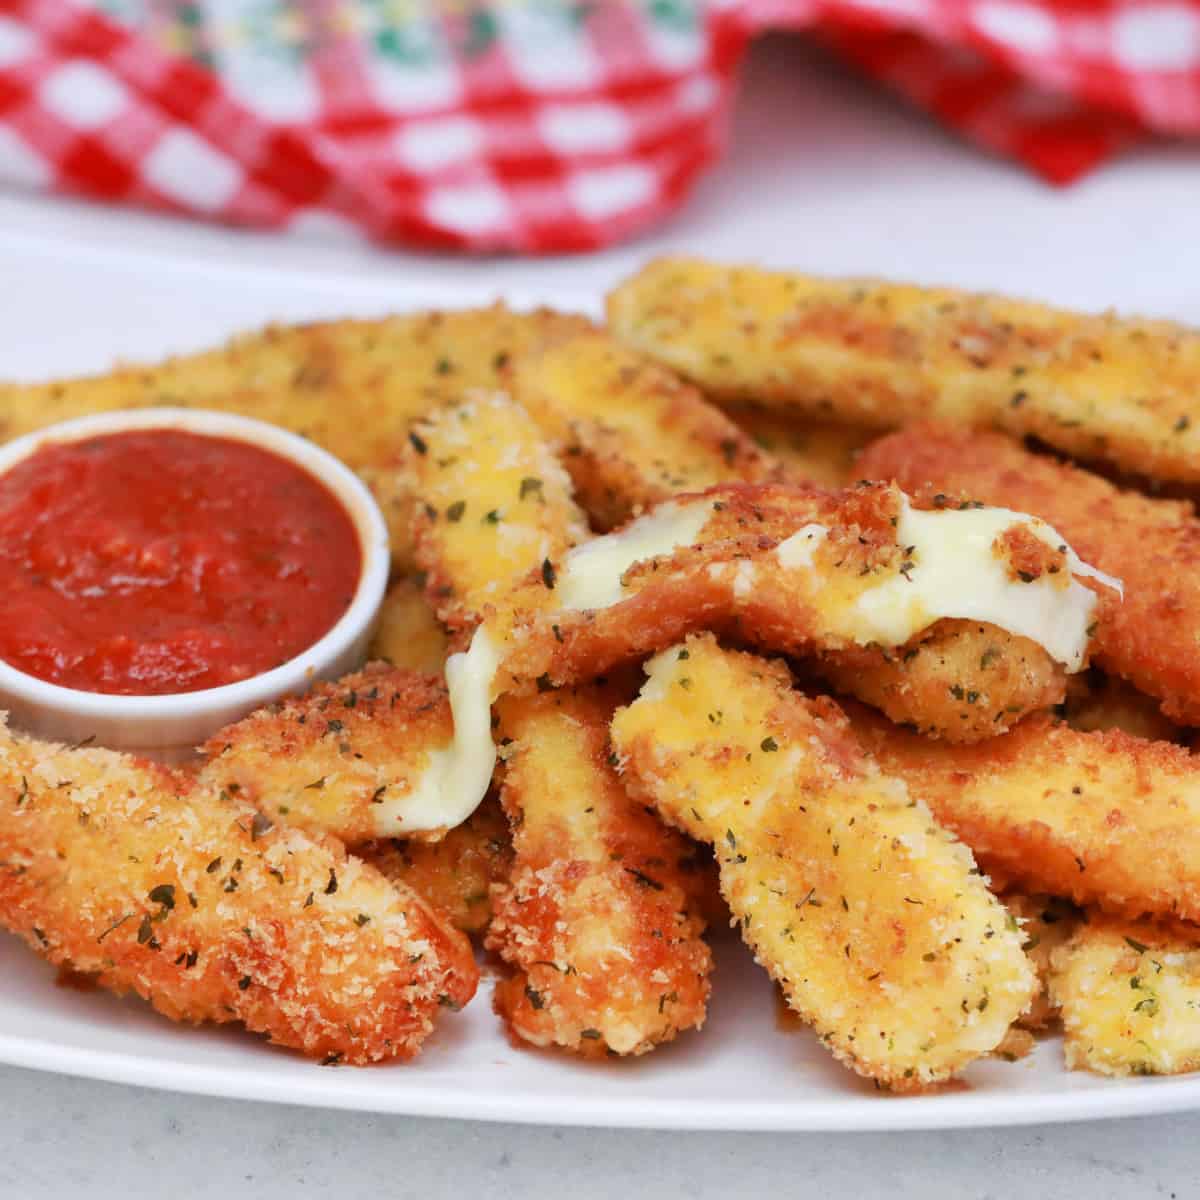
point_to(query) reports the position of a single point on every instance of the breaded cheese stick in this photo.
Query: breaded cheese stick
(354, 387)
(885, 354)
(630, 433)
(454, 875)
(961, 680)
(1047, 922)
(1096, 701)
(1102, 818)
(1129, 992)
(810, 572)
(1150, 639)
(348, 758)
(157, 885)
(813, 451)
(598, 920)
(493, 504)
(872, 918)
(408, 634)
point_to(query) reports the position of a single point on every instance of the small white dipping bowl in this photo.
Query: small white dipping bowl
(170, 726)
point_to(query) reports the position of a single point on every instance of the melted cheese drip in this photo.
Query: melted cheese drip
(957, 573)
(591, 574)
(457, 776)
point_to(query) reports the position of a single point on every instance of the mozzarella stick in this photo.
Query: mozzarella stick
(197, 902)
(805, 571)
(630, 433)
(353, 387)
(1046, 922)
(1102, 818)
(493, 504)
(455, 875)
(883, 354)
(408, 633)
(807, 450)
(1129, 993)
(870, 917)
(598, 920)
(350, 758)
(1150, 639)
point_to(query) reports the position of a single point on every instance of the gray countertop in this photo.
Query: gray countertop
(60, 1137)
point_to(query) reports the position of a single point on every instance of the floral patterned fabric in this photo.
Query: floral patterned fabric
(530, 125)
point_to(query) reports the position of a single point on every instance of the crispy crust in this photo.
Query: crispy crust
(456, 874)
(597, 920)
(809, 451)
(883, 354)
(494, 504)
(630, 433)
(145, 878)
(1102, 818)
(871, 918)
(1152, 545)
(1129, 991)
(408, 634)
(960, 680)
(353, 387)
(1096, 701)
(1047, 922)
(324, 761)
(731, 582)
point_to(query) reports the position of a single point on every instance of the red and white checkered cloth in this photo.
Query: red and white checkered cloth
(530, 125)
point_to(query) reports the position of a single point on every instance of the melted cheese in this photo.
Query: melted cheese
(457, 776)
(957, 572)
(591, 573)
(798, 550)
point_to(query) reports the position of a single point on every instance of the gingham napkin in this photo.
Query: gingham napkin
(530, 125)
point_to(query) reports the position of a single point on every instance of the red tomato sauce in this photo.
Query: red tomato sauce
(159, 561)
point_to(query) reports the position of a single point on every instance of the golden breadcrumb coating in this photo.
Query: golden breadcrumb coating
(630, 433)
(1102, 818)
(1047, 922)
(973, 681)
(456, 874)
(597, 919)
(1096, 701)
(872, 918)
(157, 885)
(493, 504)
(808, 450)
(408, 634)
(354, 387)
(882, 354)
(1151, 638)
(961, 680)
(339, 758)
(1130, 997)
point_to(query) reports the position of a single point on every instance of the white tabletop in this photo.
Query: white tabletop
(830, 176)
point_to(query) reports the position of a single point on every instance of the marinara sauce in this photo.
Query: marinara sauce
(158, 561)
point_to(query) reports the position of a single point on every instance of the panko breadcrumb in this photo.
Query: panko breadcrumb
(871, 917)
(159, 885)
(455, 875)
(1130, 997)
(875, 353)
(1150, 637)
(1101, 818)
(974, 680)
(339, 759)
(630, 433)
(598, 921)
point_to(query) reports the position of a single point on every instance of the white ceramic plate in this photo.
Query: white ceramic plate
(76, 310)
